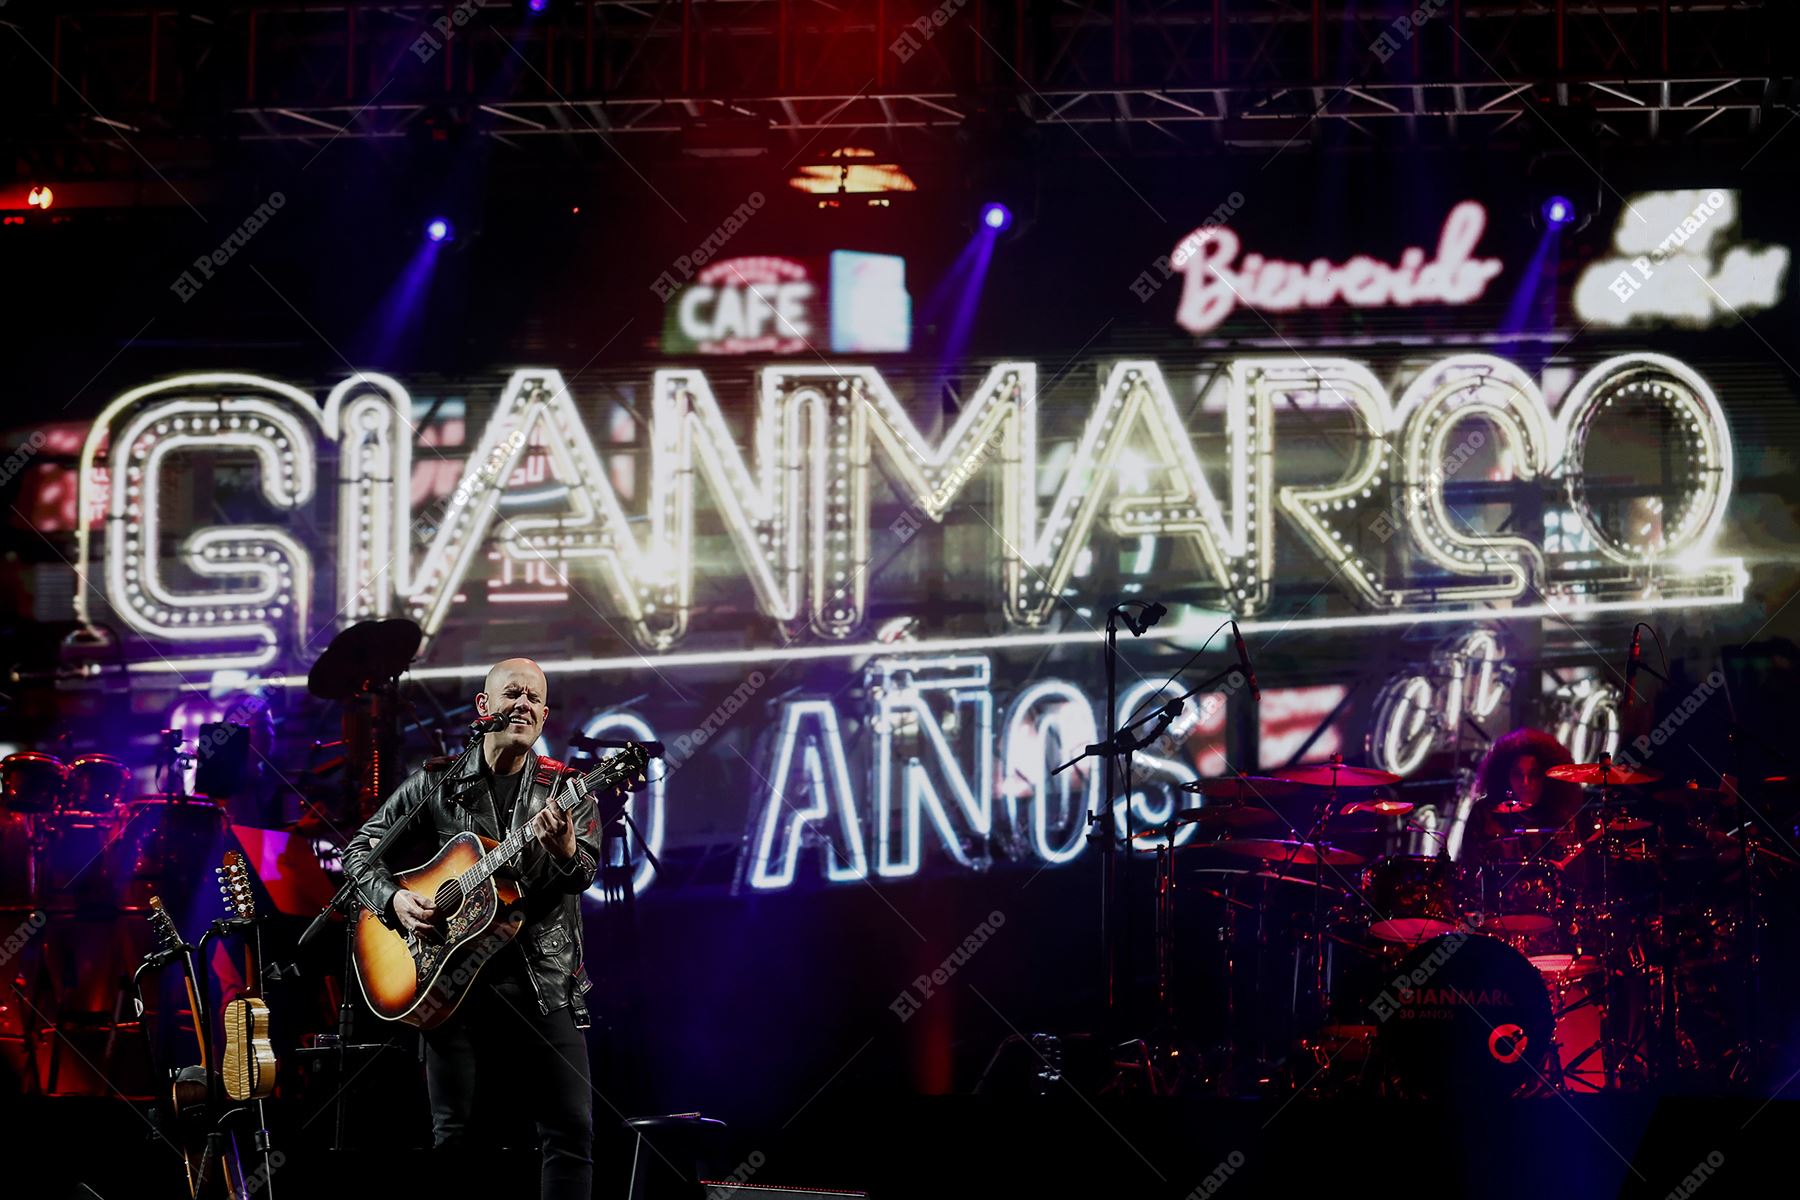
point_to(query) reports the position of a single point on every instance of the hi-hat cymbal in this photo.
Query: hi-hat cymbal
(1239, 787)
(1602, 774)
(1512, 808)
(367, 652)
(1290, 854)
(1336, 774)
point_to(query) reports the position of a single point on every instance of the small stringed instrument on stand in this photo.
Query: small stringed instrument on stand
(420, 980)
(248, 1069)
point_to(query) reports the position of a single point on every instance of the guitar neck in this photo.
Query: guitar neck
(494, 859)
(502, 854)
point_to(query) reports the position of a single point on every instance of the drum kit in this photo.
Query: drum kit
(1553, 959)
(76, 836)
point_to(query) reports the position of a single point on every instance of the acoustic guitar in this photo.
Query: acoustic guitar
(248, 1069)
(420, 980)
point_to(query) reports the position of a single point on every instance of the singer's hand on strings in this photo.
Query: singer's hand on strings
(416, 913)
(555, 830)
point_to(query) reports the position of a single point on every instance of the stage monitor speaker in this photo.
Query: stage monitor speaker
(726, 1190)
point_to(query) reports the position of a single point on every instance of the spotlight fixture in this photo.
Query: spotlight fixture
(996, 217)
(40, 197)
(537, 6)
(439, 229)
(1559, 210)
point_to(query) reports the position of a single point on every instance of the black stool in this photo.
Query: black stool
(666, 1153)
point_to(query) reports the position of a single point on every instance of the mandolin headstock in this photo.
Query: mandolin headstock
(234, 885)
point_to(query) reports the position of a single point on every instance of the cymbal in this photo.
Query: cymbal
(367, 652)
(1386, 808)
(1290, 854)
(1509, 808)
(1690, 795)
(1336, 774)
(1212, 821)
(1307, 879)
(1601, 774)
(1217, 817)
(1240, 787)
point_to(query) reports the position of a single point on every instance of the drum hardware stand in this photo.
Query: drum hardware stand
(1608, 1046)
(1324, 813)
(1614, 1049)
(362, 665)
(1164, 930)
(1748, 1048)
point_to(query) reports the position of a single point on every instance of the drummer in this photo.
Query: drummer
(1512, 793)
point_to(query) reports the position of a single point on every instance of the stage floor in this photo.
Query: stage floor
(1590, 1146)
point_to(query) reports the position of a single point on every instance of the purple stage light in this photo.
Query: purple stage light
(1559, 210)
(439, 229)
(537, 5)
(996, 216)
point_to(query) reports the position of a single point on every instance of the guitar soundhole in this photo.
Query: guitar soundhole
(449, 898)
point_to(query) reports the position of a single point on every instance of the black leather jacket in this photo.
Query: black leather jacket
(551, 936)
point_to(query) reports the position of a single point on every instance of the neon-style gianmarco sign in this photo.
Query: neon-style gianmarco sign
(797, 504)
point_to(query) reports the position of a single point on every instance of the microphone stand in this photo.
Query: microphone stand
(618, 1005)
(610, 820)
(1122, 741)
(346, 901)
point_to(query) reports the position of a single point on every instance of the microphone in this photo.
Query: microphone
(1632, 662)
(493, 723)
(1244, 662)
(1150, 615)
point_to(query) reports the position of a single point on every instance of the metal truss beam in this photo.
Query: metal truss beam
(1631, 109)
(1189, 73)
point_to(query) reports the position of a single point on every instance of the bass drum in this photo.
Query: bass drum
(1464, 1016)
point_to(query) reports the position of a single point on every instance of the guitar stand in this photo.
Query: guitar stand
(220, 1147)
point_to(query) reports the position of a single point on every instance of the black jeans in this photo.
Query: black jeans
(536, 1061)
